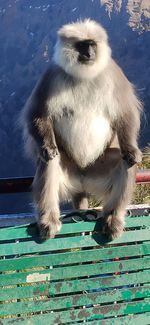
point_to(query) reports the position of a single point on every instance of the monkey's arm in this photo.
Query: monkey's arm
(39, 123)
(127, 119)
(127, 135)
(127, 130)
(41, 130)
(128, 123)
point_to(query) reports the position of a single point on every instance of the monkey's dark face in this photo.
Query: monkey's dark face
(86, 51)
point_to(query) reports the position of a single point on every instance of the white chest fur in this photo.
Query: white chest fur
(82, 119)
(85, 137)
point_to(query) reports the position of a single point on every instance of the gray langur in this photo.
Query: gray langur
(81, 125)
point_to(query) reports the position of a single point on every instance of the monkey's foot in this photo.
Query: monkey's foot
(48, 153)
(49, 225)
(112, 227)
(132, 156)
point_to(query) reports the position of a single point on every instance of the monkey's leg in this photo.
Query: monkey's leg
(80, 201)
(119, 196)
(46, 197)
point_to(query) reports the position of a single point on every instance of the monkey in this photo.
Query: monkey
(81, 126)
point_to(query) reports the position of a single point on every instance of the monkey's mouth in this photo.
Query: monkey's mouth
(85, 60)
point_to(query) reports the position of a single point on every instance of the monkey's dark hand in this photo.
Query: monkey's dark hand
(48, 152)
(132, 156)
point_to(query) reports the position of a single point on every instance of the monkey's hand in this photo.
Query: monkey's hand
(48, 152)
(132, 156)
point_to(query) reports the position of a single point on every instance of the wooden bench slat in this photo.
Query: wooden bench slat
(28, 247)
(76, 271)
(92, 313)
(77, 276)
(50, 289)
(21, 231)
(135, 319)
(79, 300)
(74, 257)
(141, 319)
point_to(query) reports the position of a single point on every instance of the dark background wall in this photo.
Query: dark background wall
(27, 34)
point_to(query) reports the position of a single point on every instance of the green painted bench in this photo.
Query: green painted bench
(77, 277)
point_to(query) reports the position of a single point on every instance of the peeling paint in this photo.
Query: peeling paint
(37, 277)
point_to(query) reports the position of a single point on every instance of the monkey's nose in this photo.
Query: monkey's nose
(87, 55)
(92, 52)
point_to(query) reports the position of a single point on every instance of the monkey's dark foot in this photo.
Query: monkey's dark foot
(48, 153)
(49, 228)
(132, 156)
(112, 227)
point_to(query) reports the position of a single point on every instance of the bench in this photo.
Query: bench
(77, 277)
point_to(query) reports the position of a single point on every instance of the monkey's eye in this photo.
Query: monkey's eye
(82, 45)
(79, 46)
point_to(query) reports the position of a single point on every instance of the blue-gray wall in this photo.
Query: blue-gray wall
(27, 34)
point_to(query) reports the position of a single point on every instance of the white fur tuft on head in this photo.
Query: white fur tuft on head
(82, 30)
(66, 56)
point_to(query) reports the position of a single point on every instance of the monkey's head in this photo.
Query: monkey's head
(82, 49)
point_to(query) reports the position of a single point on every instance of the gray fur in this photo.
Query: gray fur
(82, 124)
